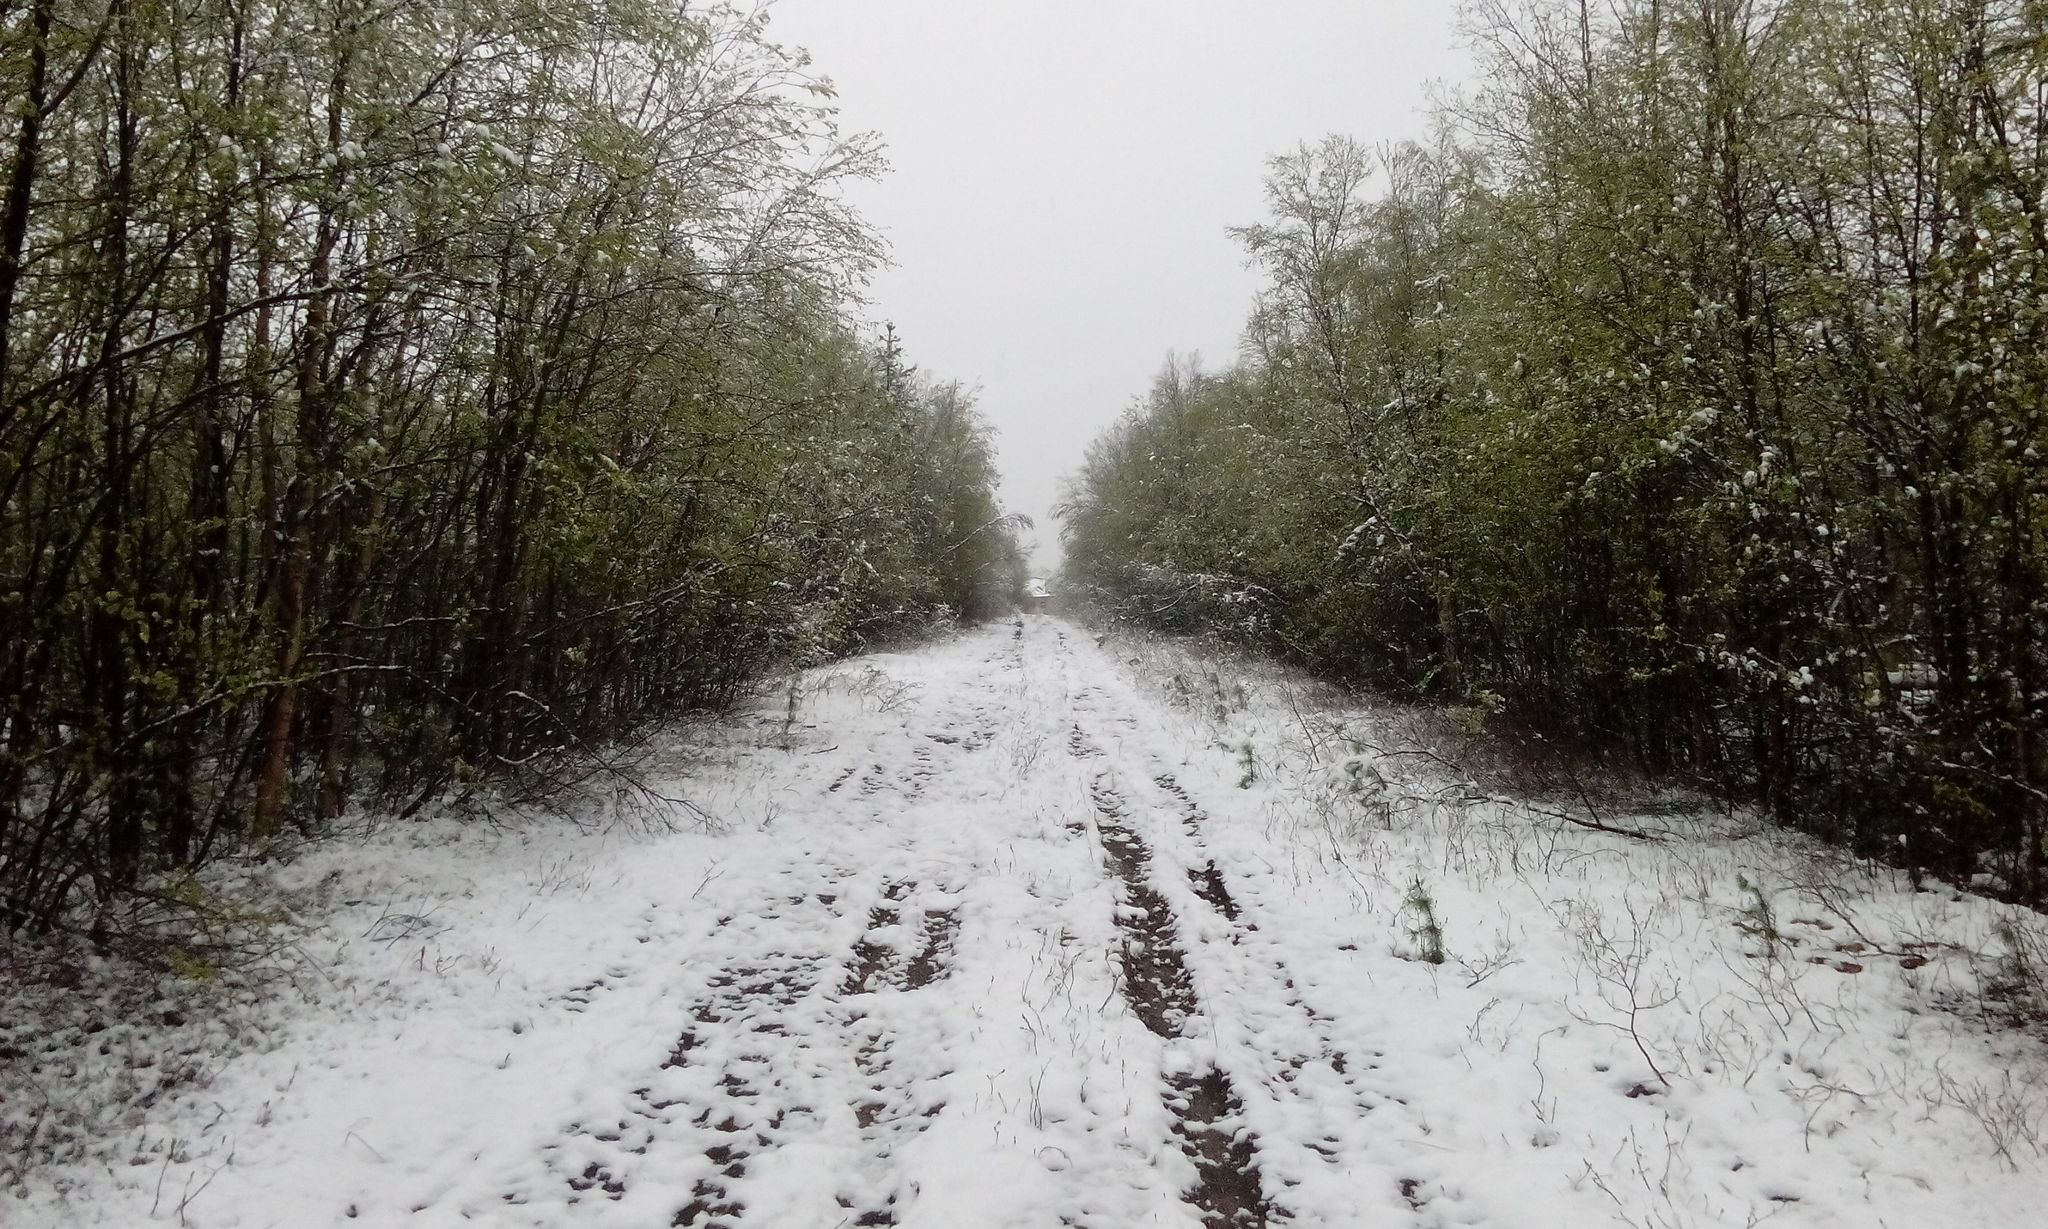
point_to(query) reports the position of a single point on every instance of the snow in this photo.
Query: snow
(891, 984)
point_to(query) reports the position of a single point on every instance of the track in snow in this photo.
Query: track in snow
(989, 938)
(1157, 984)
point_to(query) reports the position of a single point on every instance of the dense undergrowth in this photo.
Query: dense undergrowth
(394, 399)
(1684, 399)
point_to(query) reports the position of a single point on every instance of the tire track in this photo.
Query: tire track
(1297, 1079)
(1207, 880)
(1207, 1112)
(1158, 986)
(723, 1093)
(740, 993)
(891, 1110)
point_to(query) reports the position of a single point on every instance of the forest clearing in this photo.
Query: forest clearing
(1017, 929)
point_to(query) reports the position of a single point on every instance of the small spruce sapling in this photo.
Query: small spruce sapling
(1428, 931)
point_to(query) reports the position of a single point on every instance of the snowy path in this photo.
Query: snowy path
(998, 939)
(954, 993)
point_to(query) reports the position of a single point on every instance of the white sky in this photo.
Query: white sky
(1064, 171)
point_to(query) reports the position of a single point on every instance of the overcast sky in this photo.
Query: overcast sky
(1063, 172)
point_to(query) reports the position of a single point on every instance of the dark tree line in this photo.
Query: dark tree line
(1689, 399)
(400, 394)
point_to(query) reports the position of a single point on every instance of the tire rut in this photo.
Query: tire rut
(1296, 1082)
(1207, 1112)
(1192, 816)
(891, 1109)
(739, 994)
(720, 1092)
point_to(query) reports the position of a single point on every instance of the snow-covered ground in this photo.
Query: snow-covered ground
(1023, 930)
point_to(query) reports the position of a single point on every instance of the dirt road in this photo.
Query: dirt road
(1004, 932)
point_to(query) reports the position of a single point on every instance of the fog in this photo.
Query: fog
(1064, 174)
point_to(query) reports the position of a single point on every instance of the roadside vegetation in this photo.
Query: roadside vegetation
(399, 399)
(1627, 952)
(1682, 400)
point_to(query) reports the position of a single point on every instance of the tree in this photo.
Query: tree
(1691, 409)
(397, 398)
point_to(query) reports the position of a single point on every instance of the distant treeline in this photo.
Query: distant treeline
(1687, 395)
(397, 395)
